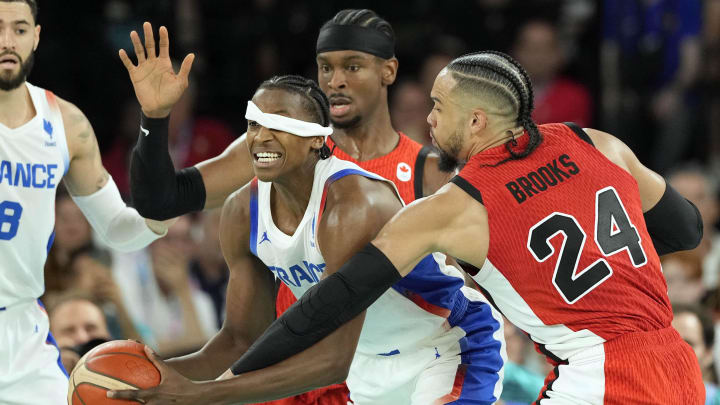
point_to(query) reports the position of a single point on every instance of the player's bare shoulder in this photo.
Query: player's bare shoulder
(360, 196)
(235, 222)
(78, 130)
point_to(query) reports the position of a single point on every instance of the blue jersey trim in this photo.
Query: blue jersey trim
(51, 239)
(253, 216)
(346, 172)
(51, 341)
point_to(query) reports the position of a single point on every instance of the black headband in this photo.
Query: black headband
(353, 37)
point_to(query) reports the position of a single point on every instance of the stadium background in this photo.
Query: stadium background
(660, 95)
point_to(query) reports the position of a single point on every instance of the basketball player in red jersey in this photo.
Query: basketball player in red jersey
(355, 68)
(565, 226)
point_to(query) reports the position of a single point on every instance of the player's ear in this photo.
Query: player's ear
(317, 142)
(389, 71)
(477, 121)
(37, 37)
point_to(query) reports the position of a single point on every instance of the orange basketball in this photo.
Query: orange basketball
(116, 365)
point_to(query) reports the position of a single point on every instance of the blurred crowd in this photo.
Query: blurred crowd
(647, 71)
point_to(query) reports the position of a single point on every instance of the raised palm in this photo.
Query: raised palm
(156, 85)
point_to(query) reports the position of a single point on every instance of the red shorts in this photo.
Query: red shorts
(651, 368)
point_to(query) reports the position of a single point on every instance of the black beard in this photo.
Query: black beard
(447, 163)
(25, 68)
(353, 123)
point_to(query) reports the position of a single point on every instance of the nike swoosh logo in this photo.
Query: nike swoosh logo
(145, 131)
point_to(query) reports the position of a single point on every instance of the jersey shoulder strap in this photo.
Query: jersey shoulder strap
(420, 171)
(467, 187)
(579, 132)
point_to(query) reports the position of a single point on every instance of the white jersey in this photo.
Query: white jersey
(33, 160)
(418, 309)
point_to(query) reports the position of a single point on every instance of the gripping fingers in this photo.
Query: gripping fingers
(139, 50)
(149, 40)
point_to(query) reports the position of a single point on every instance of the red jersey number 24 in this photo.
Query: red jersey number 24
(613, 234)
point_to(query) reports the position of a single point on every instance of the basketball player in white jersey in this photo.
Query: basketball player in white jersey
(428, 340)
(43, 140)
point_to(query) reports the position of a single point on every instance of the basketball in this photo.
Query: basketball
(116, 365)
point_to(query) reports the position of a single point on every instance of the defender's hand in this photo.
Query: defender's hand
(157, 87)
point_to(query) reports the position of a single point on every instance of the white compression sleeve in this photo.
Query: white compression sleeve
(120, 226)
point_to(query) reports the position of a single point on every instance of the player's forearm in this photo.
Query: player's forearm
(325, 307)
(212, 360)
(157, 190)
(314, 368)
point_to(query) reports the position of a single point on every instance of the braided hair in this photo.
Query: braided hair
(498, 76)
(315, 101)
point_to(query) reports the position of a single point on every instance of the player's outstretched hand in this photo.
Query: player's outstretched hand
(173, 389)
(157, 87)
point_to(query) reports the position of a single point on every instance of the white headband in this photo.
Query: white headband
(285, 124)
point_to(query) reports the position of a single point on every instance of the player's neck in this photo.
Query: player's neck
(292, 196)
(372, 138)
(16, 107)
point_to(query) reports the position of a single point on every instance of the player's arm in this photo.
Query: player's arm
(250, 298)
(226, 173)
(94, 191)
(157, 190)
(449, 221)
(673, 222)
(356, 209)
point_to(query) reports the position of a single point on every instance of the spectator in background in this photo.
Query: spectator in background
(557, 98)
(75, 262)
(208, 266)
(173, 315)
(409, 107)
(76, 320)
(695, 327)
(650, 63)
(711, 73)
(521, 386)
(682, 275)
(693, 182)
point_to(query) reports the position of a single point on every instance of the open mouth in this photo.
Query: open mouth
(267, 157)
(339, 105)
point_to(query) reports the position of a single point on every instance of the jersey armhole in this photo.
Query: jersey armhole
(254, 215)
(420, 171)
(467, 187)
(579, 132)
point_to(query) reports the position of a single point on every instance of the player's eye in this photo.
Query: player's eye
(325, 68)
(353, 68)
(253, 124)
(20, 31)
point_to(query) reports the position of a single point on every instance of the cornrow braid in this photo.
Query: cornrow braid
(316, 101)
(497, 73)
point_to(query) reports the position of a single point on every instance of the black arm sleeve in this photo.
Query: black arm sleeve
(322, 309)
(157, 190)
(674, 223)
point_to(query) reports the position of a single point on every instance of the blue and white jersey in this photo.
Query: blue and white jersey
(421, 307)
(33, 160)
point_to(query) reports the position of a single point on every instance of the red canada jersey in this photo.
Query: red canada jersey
(403, 166)
(570, 260)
